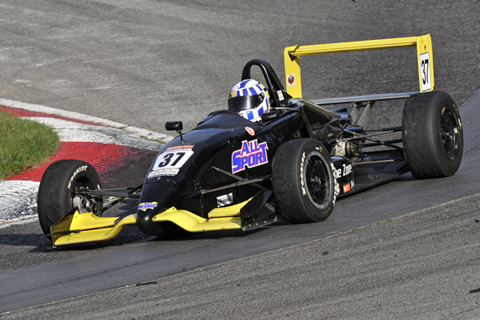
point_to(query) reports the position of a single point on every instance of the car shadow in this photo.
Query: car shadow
(16, 239)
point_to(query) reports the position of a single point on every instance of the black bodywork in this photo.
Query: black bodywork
(229, 173)
(211, 173)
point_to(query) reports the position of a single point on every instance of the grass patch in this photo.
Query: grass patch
(24, 143)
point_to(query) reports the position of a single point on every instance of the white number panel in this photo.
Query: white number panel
(425, 74)
(169, 162)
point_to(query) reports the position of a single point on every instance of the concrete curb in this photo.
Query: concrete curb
(19, 196)
(141, 133)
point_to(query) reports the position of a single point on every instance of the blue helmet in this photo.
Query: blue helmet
(250, 99)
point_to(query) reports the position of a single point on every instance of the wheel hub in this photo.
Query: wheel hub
(316, 180)
(449, 135)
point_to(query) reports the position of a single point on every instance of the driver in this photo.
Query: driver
(250, 99)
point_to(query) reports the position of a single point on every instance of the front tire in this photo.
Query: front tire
(303, 181)
(432, 135)
(58, 191)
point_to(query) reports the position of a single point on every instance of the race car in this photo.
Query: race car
(231, 173)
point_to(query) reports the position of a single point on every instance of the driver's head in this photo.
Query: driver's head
(250, 99)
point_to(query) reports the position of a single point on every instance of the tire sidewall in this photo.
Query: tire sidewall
(449, 165)
(56, 188)
(316, 152)
(289, 181)
(422, 140)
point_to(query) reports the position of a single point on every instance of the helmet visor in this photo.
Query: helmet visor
(244, 102)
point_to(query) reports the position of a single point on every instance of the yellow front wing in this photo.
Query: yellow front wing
(225, 218)
(87, 227)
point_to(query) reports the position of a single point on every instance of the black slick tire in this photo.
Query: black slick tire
(57, 192)
(303, 181)
(432, 135)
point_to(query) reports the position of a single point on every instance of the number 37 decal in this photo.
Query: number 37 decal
(425, 73)
(169, 162)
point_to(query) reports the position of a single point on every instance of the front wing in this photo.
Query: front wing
(79, 227)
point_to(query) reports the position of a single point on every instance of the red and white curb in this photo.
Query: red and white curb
(106, 144)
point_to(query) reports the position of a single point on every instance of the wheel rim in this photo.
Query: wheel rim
(449, 134)
(80, 198)
(316, 180)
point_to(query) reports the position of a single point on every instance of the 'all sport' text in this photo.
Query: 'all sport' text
(251, 154)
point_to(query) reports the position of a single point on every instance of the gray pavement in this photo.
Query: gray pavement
(396, 269)
(146, 62)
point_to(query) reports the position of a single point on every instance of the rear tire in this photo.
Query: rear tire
(303, 182)
(57, 192)
(432, 135)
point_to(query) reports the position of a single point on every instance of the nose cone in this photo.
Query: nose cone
(155, 198)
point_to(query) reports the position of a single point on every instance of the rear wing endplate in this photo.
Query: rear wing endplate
(424, 54)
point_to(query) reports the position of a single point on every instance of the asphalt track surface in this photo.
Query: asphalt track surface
(406, 250)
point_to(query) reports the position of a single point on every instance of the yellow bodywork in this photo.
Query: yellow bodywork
(193, 223)
(87, 227)
(224, 218)
(424, 54)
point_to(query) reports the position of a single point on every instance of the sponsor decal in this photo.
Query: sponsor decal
(291, 80)
(252, 154)
(79, 170)
(344, 171)
(280, 95)
(347, 188)
(225, 200)
(162, 172)
(144, 206)
(188, 148)
(250, 131)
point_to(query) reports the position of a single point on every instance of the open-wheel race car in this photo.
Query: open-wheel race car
(231, 173)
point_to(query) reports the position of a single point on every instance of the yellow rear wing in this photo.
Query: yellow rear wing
(424, 54)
